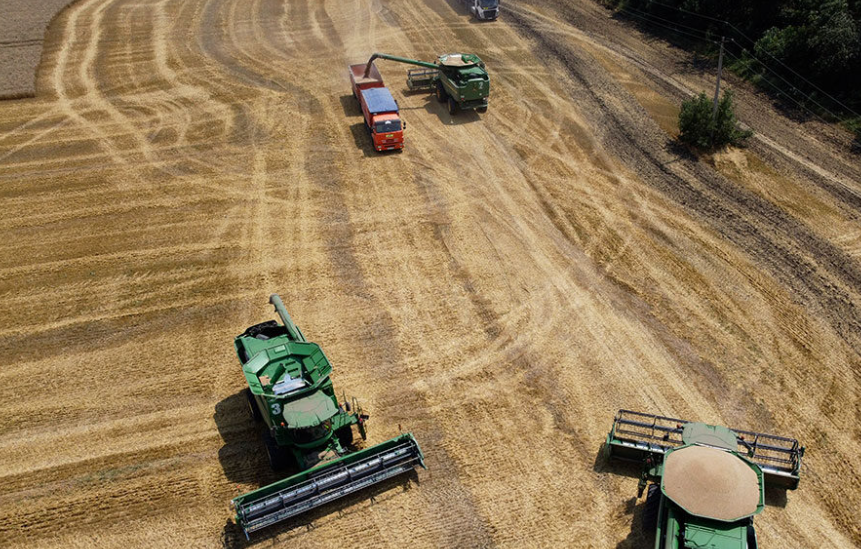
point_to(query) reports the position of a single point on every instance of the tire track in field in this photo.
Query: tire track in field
(751, 222)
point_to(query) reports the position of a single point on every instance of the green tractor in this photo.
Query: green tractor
(460, 79)
(307, 429)
(703, 483)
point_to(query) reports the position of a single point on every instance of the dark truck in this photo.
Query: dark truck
(381, 112)
(484, 10)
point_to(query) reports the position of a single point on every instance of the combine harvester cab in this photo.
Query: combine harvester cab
(704, 483)
(290, 390)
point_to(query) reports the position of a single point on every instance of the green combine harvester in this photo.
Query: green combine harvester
(460, 79)
(704, 483)
(289, 389)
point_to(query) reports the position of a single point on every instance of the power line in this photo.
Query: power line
(677, 8)
(673, 29)
(808, 97)
(790, 69)
(786, 95)
(787, 67)
(674, 23)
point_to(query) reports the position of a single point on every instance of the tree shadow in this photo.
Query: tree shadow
(682, 151)
(233, 538)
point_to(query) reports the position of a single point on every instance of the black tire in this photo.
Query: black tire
(441, 94)
(452, 106)
(278, 458)
(653, 504)
(482, 109)
(345, 436)
(252, 406)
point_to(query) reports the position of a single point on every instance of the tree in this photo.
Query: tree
(697, 126)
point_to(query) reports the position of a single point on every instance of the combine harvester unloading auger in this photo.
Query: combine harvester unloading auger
(289, 389)
(460, 79)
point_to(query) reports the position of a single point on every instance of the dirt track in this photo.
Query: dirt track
(500, 288)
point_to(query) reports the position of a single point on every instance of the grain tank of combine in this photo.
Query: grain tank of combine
(307, 428)
(459, 79)
(703, 483)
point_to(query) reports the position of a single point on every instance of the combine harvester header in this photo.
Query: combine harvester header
(636, 435)
(290, 391)
(305, 491)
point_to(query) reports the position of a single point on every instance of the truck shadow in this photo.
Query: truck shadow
(362, 139)
(232, 536)
(350, 105)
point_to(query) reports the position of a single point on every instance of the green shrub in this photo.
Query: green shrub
(697, 126)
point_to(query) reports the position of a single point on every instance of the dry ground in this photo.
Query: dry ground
(22, 29)
(500, 288)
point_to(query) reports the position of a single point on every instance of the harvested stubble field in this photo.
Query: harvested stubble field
(500, 288)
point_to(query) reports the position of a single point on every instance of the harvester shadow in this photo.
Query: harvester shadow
(434, 107)
(243, 456)
(232, 536)
(775, 497)
(619, 468)
(637, 538)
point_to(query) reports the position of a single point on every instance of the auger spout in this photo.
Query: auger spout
(294, 331)
(407, 60)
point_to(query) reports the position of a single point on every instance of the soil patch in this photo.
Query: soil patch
(22, 29)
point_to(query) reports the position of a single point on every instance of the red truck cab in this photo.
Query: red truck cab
(381, 112)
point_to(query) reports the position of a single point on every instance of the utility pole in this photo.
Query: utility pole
(720, 70)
